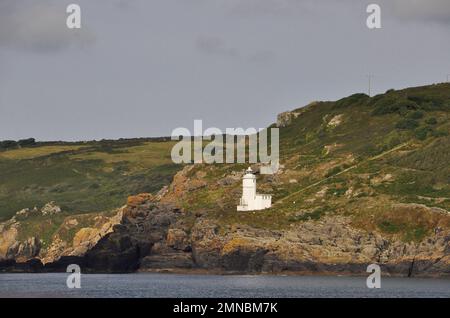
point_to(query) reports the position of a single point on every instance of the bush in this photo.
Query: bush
(430, 102)
(407, 124)
(415, 114)
(383, 106)
(8, 144)
(391, 105)
(439, 133)
(11, 144)
(26, 142)
(351, 100)
(422, 132)
(431, 121)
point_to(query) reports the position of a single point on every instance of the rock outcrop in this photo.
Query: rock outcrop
(155, 236)
(284, 119)
(77, 234)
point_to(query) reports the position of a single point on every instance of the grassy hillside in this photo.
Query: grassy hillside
(82, 177)
(371, 158)
(383, 160)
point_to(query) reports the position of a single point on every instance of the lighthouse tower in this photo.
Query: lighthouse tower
(250, 200)
(249, 185)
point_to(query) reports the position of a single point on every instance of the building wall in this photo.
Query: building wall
(258, 202)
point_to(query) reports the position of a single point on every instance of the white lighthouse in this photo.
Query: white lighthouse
(250, 200)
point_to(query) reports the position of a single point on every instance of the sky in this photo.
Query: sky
(141, 68)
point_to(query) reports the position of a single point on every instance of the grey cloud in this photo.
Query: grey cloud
(39, 26)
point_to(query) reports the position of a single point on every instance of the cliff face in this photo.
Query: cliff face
(48, 234)
(156, 236)
(153, 233)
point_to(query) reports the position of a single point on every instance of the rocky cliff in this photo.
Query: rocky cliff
(362, 180)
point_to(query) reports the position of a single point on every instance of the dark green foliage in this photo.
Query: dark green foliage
(407, 124)
(431, 121)
(430, 102)
(439, 133)
(8, 144)
(360, 99)
(383, 106)
(26, 142)
(415, 114)
(12, 144)
(390, 105)
(427, 98)
(422, 132)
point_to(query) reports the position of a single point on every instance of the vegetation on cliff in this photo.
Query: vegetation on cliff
(362, 179)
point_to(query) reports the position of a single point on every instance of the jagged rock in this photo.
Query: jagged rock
(284, 119)
(335, 121)
(22, 251)
(136, 200)
(167, 261)
(50, 209)
(148, 235)
(178, 240)
(24, 213)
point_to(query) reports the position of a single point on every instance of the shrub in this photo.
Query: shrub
(407, 124)
(26, 142)
(383, 106)
(422, 132)
(7, 144)
(431, 121)
(415, 114)
(391, 105)
(430, 102)
(353, 99)
(439, 133)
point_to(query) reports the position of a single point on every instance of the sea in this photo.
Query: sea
(151, 285)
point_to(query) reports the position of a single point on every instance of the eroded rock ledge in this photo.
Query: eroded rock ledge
(155, 236)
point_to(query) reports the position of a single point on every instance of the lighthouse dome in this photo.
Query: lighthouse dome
(249, 174)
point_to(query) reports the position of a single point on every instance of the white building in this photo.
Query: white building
(250, 200)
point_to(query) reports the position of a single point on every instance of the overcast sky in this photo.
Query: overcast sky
(141, 68)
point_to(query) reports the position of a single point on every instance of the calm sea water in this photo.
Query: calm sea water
(174, 285)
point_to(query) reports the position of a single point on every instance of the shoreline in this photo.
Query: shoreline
(218, 272)
(319, 269)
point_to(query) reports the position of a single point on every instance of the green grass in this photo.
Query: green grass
(313, 215)
(98, 176)
(420, 167)
(89, 178)
(409, 233)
